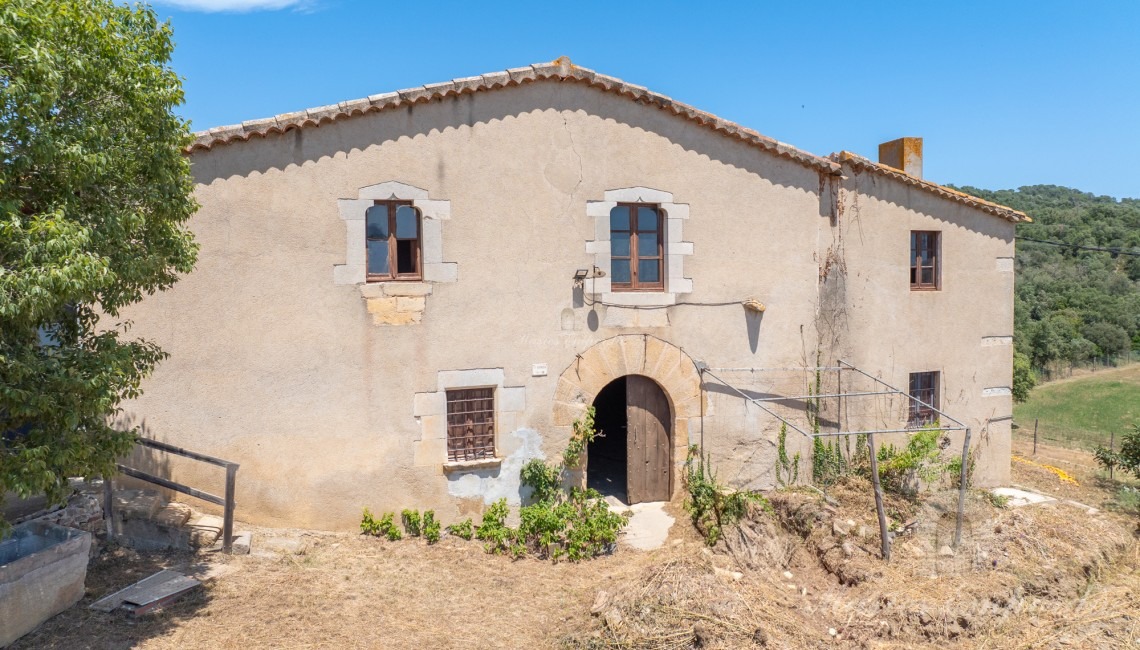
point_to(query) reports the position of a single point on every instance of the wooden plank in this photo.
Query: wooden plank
(635, 439)
(115, 600)
(657, 425)
(159, 595)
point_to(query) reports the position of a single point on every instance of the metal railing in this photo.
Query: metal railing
(227, 502)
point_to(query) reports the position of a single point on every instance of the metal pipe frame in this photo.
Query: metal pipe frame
(813, 369)
(880, 381)
(832, 434)
(796, 397)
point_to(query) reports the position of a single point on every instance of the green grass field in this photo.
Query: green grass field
(1083, 411)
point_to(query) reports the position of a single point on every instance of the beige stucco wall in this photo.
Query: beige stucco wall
(275, 366)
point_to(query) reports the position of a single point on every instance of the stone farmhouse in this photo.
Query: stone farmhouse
(401, 299)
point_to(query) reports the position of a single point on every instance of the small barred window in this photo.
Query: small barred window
(470, 424)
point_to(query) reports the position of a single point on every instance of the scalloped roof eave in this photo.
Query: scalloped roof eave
(864, 164)
(560, 70)
(563, 70)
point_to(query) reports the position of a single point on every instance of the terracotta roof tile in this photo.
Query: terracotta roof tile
(493, 80)
(563, 70)
(865, 164)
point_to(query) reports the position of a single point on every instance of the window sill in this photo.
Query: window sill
(468, 465)
(395, 289)
(640, 298)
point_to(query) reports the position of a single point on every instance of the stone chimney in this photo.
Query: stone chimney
(904, 154)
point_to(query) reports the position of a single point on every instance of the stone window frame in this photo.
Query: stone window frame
(430, 411)
(676, 249)
(433, 212)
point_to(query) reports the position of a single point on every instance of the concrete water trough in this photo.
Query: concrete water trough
(42, 569)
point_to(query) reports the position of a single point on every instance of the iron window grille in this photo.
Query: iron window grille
(470, 424)
(923, 398)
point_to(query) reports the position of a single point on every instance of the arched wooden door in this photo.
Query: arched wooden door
(648, 421)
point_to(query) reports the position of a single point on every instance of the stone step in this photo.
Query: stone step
(144, 521)
(137, 504)
(204, 530)
(173, 515)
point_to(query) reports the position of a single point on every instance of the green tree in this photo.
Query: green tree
(94, 196)
(1109, 339)
(1073, 304)
(1127, 458)
(1024, 379)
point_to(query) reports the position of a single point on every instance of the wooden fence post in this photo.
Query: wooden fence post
(1111, 448)
(962, 489)
(1034, 436)
(884, 534)
(228, 519)
(108, 508)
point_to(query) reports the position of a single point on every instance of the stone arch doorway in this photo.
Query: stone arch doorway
(631, 458)
(664, 366)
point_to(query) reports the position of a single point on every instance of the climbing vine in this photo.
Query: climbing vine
(787, 470)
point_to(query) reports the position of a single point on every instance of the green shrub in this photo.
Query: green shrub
(1024, 379)
(388, 527)
(576, 525)
(463, 529)
(384, 527)
(919, 459)
(711, 506)
(1127, 500)
(545, 480)
(827, 461)
(593, 526)
(954, 470)
(1128, 458)
(411, 521)
(584, 433)
(499, 537)
(368, 523)
(430, 527)
(996, 500)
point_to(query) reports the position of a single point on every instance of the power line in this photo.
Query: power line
(1114, 251)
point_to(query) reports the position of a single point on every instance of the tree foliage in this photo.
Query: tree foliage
(1072, 304)
(94, 196)
(1024, 378)
(1127, 457)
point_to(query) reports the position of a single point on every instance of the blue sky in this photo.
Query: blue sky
(1005, 94)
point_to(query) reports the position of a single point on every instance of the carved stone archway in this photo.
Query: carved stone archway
(631, 354)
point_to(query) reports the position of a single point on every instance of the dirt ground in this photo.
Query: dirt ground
(1052, 575)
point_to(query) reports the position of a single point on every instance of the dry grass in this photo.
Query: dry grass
(1035, 577)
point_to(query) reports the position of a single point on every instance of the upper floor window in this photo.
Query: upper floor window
(923, 398)
(392, 233)
(924, 260)
(636, 248)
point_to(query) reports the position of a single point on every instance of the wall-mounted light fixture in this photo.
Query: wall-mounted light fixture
(581, 275)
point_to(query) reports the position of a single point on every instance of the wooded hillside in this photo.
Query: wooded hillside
(1072, 304)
